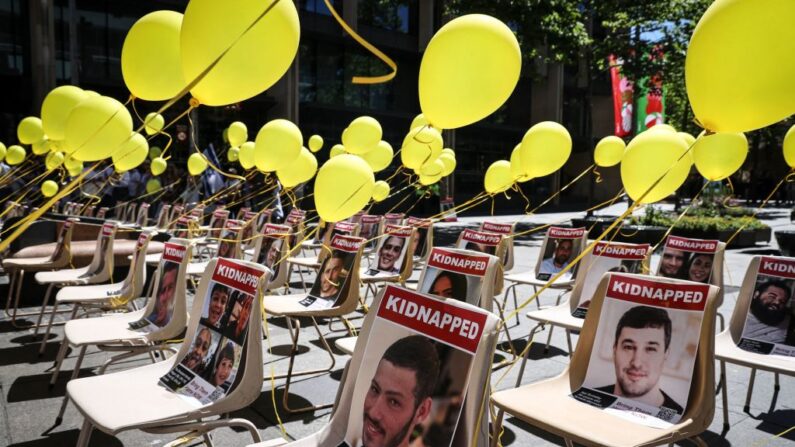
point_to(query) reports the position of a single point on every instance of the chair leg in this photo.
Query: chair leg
(75, 373)
(549, 339)
(538, 297)
(11, 285)
(49, 325)
(291, 363)
(526, 355)
(568, 341)
(568, 442)
(43, 307)
(59, 361)
(208, 441)
(722, 321)
(496, 428)
(724, 396)
(747, 406)
(776, 385)
(85, 434)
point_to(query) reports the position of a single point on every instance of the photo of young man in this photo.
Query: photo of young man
(389, 254)
(768, 318)
(482, 248)
(672, 262)
(331, 277)
(269, 254)
(223, 366)
(216, 305)
(238, 318)
(560, 257)
(196, 360)
(164, 299)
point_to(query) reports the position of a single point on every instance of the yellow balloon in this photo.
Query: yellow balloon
(278, 144)
(257, 49)
(498, 177)
(246, 155)
(335, 150)
(97, 127)
(343, 186)
(233, 154)
(427, 180)
(380, 157)
(150, 57)
(153, 185)
(154, 152)
(649, 157)
(15, 155)
(74, 167)
(545, 148)
(418, 121)
(662, 127)
(788, 148)
(196, 164)
(57, 106)
(362, 135)
(153, 123)
(132, 153)
(689, 139)
(720, 155)
(747, 37)
(449, 163)
(469, 69)
(380, 190)
(315, 143)
(53, 160)
(49, 188)
(237, 134)
(432, 168)
(421, 145)
(517, 168)
(2, 151)
(608, 151)
(158, 166)
(41, 147)
(299, 171)
(30, 130)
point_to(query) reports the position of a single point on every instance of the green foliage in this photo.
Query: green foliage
(699, 219)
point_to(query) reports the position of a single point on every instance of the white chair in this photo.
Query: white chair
(270, 249)
(314, 262)
(402, 261)
(507, 230)
(423, 243)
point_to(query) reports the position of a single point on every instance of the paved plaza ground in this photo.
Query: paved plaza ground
(28, 407)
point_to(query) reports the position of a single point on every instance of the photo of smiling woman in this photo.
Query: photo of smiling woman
(699, 267)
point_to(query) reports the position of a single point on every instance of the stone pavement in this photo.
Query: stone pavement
(28, 407)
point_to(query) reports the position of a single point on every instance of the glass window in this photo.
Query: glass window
(392, 15)
(319, 6)
(13, 31)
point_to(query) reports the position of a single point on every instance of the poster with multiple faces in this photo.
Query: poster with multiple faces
(391, 251)
(208, 370)
(165, 295)
(689, 259)
(770, 322)
(450, 274)
(561, 247)
(333, 282)
(644, 351)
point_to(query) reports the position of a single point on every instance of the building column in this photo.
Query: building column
(426, 30)
(350, 13)
(42, 49)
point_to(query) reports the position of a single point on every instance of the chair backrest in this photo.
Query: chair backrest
(166, 313)
(507, 230)
(371, 227)
(605, 257)
(247, 239)
(489, 243)
(62, 255)
(198, 212)
(218, 222)
(270, 250)
(102, 213)
(341, 228)
(446, 344)
(220, 362)
(133, 284)
(699, 260)
(295, 220)
(176, 213)
(560, 246)
(336, 287)
(394, 218)
(132, 207)
(101, 267)
(356, 218)
(229, 243)
(264, 217)
(463, 275)
(186, 227)
(394, 253)
(669, 321)
(89, 211)
(142, 219)
(763, 321)
(163, 219)
(424, 239)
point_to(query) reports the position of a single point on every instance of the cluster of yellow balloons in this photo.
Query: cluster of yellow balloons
(423, 152)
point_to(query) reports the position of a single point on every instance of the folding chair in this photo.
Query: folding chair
(102, 213)
(295, 220)
(342, 302)
(130, 215)
(372, 226)
(399, 264)
(507, 230)
(314, 262)
(163, 217)
(468, 419)
(134, 333)
(142, 219)
(424, 240)
(270, 249)
(490, 243)
(549, 404)
(17, 267)
(538, 278)
(750, 342)
(140, 402)
(228, 247)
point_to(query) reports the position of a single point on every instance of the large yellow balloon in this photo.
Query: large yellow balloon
(517, 168)
(649, 157)
(158, 166)
(343, 186)
(97, 128)
(362, 135)
(380, 157)
(421, 145)
(132, 153)
(153, 123)
(57, 106)
(278, 144)
(49, 188)
(719, 155)
(498, 177)
(30, 130)
(15, 155)
(608, 151)
(53, 160)
(380, 190)
(469, 69)
(237, 134)
(737, 72)
(246, 155)
(150, 57)
(257, 48)
(545, 148)
(788, 148)
(299, 171)
(196, 164)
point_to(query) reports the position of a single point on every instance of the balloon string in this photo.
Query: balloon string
(375, 51)
(727, 201)
(13, 173)
(789, 177)
(207, 160)
(526, 200)
(679, 218)
(598, 175)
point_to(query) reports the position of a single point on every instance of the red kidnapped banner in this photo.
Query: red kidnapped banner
(344, 226)
(173, 252)
(240, 277)
(437, 319)
(415, 222)
(565, 233)
(346, 243)
(370, 219)
(694, 245)
(233, 224)
(107, 229)
(497, 227)
(621, 251)
(457, 262)
(399, 231)
(273, 229)
(221, 213)
(782, 267)
(657, 293)
(480, 237)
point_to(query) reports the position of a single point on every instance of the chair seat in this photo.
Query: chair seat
(137, 399)
(378, 277)
(104, 330)
(284, 305)
(727, 350)
(559, 315)
(83, 251)
(153, 258)
(310, 262)
(37, 264)
(529, 278)
(62, 276)
(196, 268)
(346, 345)
(548, 405)
(95, 293)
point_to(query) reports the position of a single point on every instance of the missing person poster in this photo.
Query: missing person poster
(167, 283)
(249, 225)
(107, 231)
(689, 259)
(60, 246)
(163, 217)
(295, 219)
(394, 218)
(644, 351)
(414, 376)
(218, 221)
(608, 257)
(370, 225)
(450, 274)
(332, 284)
(183, 226)
(561, 246)
(423, 226)
(229, 244)
(391, 251)
(480, 241)
(270, 249)
(143, 215)
(207, 372)
(770, 322)
(505, 229)
(264, 217)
